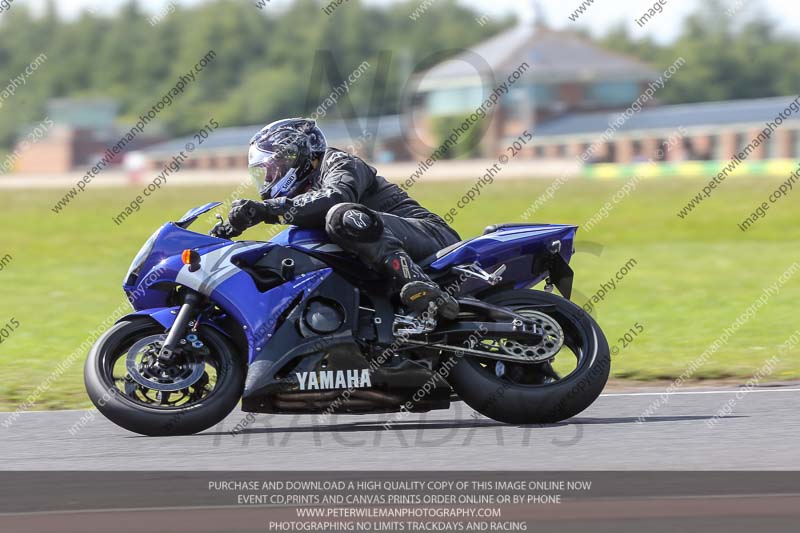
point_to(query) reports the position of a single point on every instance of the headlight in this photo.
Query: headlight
(138, 261)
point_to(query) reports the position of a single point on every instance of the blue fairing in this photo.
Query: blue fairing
(488, 250)
(301, 237)
(164, 262)
(192, 214)
(508, 243)
(153, 278)
(259, 311)
(255, 310)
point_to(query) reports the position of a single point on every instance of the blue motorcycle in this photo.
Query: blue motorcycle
(297, 325)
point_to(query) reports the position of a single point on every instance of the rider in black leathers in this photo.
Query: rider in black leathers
(308, 184)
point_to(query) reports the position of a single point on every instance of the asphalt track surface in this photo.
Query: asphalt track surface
(761, 432)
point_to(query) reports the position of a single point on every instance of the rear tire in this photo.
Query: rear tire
(156, 421)
(539, 402)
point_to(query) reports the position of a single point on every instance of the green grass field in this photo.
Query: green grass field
(692, 277)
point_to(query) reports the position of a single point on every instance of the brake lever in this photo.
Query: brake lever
(212, 232)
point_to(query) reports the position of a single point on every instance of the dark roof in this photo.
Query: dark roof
(236, 139)
(757, 111)
(551, 55)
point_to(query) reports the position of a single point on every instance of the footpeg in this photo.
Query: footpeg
(475, 271)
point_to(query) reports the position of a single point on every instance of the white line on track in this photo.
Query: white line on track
(606, 395)
(732, 391)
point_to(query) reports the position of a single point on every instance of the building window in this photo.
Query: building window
(455, 101)
(522, 99)
(612, 93)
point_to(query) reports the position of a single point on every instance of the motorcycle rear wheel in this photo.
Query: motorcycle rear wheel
(535, 393)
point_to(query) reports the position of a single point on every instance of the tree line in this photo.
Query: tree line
(268, 57)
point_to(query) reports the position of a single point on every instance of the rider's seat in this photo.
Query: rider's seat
(447, 249)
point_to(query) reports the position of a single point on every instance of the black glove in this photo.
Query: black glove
(276, 207)
(224, 231)
(246, 213)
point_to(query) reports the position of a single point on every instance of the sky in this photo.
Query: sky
(597, 18)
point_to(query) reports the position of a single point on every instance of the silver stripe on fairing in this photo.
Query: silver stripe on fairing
(215, 268)
(327, 247)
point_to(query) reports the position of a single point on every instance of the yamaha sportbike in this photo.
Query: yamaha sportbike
(297, 325)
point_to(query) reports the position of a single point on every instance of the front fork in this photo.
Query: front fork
(188, 312)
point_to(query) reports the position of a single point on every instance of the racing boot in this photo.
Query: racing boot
(418, 291)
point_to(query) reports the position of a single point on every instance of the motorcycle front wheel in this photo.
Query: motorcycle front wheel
(131, 388)
(571, 365)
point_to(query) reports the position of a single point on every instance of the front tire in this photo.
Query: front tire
(136, 408)
(535, 394)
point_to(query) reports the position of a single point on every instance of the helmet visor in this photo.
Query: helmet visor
(267, 168)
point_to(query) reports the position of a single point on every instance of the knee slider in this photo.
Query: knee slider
(353, 222)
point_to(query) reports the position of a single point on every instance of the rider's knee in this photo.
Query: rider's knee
(353, 222)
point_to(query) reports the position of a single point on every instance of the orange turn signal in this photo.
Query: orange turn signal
(191, 258)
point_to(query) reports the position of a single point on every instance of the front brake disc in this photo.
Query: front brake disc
(181, 376)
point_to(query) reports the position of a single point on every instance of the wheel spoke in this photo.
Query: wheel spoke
(549, 371)
(130, 388)
(163, 397)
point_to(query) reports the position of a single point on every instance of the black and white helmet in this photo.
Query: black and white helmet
(281, 153)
